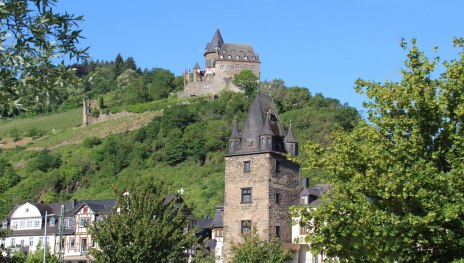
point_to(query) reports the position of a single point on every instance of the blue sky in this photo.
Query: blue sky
(321, 45)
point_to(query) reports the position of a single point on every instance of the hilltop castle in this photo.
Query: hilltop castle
(222, 62)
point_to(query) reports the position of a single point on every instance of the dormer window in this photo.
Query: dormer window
(303, 200)
(237, 57)
(233, 51)
(221, 56)
(229, 56)
(52, 221)
(5, 224)
(245, 58)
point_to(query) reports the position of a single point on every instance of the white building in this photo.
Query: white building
(28, 224)
(309, 198)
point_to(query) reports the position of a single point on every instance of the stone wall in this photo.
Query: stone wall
(263, 211)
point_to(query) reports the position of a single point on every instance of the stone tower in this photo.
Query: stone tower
(260, 182)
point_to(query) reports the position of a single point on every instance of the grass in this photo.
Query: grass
(47, 124)
(101, 129)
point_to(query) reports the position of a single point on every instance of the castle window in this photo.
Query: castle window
(237, 57)
(277, 231)
(247, 166)
(253, 67)
(277, 198)
(245, 58)
(229, 67)
(237, 66)
(229, 56)
(277, 167)
(245, 66)
(246, 195)
(221, 56)
(245, 226)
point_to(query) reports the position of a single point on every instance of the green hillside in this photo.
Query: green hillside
(183, 146)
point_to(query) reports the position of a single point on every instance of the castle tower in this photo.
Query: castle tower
(212, 52)
(260, 182)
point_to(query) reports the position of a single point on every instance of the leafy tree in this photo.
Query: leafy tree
(397, 179)
(160, 82)
(255, 250)
(146, 227)
(8, 177)
(45, 161)
(32, 36)
(247, 81)
(125, 78)
(38, 256)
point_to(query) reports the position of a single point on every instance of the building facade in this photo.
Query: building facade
(223, 61)
(260, 182)
(308, 197)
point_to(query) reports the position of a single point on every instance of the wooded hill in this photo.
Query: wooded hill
(183, 144)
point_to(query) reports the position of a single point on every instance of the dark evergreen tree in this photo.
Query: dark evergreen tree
(118, 65)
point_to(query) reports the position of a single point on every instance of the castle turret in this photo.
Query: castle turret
(196, 72)
(291, 145)
(234, 139)
(212, 49)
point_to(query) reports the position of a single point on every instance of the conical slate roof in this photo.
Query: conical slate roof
(235, 132)
(290, 138)
(255, 124)
(215, 44)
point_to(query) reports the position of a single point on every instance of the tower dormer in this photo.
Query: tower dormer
(234, 140)
(291, 145)
(266, 136)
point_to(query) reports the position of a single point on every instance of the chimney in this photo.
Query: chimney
(73, 203)
(305, 182)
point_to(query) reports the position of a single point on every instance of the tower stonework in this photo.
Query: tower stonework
(260, 182)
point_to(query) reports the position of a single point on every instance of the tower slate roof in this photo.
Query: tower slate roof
(290, 137)
(216, 42)
(262, 119)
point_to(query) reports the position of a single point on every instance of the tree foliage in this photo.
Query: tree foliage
(255, 250)
(148, 226)
(247, 81)
(398, 180)
(32, 36)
